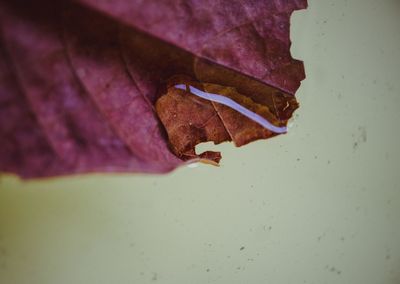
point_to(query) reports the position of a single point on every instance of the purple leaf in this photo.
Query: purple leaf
(79, 80)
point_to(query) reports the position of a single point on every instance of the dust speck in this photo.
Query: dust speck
(360, 136)
(333, 269)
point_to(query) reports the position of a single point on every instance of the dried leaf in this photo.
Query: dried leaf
(80, 81)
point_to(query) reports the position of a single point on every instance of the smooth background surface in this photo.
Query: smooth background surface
(319, 205)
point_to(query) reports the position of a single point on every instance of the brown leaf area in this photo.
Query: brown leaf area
(190, 120)
(79, 81)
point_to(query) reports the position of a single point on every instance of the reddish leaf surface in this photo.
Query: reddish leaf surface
(251, 37)
(80, 81)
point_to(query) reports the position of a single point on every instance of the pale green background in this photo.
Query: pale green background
(319, 205)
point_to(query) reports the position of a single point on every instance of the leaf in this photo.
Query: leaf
(251, 37)
(80, 81)
(190, 120)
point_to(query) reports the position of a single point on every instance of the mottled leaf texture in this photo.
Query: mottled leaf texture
(88, 85)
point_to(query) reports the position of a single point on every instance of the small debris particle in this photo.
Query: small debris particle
(242, 248)
(361, 137)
